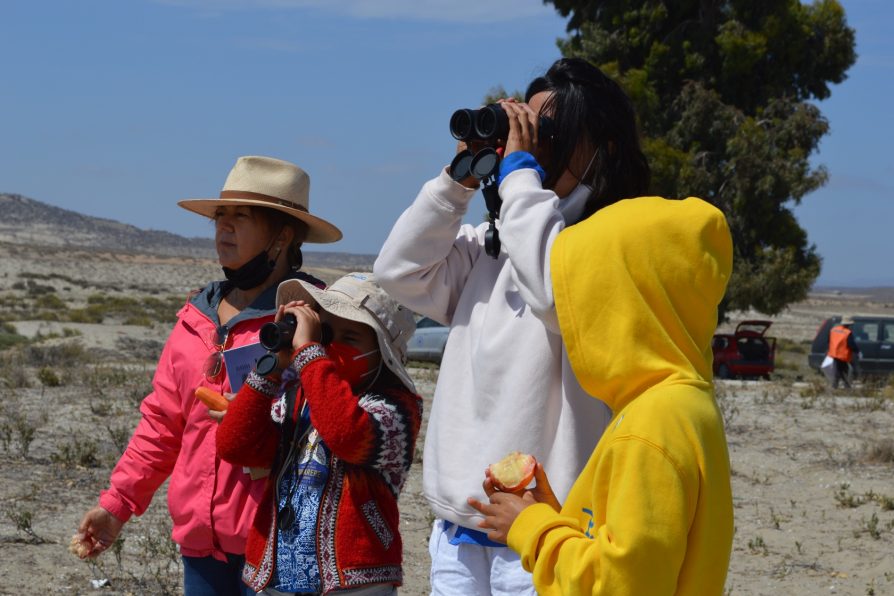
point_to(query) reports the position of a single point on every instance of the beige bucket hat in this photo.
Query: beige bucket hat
(358, 297)
(273, 183)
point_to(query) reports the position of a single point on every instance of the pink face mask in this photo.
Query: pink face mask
(350, 363)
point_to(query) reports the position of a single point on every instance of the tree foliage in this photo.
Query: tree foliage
(724, 92)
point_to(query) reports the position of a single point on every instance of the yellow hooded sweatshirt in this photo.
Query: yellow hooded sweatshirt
(637, 287)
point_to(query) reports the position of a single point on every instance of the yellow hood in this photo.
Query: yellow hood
(637, 286)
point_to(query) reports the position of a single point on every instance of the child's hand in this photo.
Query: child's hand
(500, 513)
(543, 492)
(308, 328)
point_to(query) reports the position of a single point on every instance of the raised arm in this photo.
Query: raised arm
(429, 250)
(530, 220)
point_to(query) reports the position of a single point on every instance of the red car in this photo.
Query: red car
(746, 353)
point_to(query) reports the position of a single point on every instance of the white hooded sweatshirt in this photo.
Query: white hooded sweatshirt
(505, 383)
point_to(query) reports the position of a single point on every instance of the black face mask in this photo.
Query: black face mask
(253, 273)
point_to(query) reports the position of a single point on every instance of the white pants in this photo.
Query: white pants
(473, 570)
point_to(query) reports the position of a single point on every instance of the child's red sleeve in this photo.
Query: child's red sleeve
(377, 429)
(247, 435)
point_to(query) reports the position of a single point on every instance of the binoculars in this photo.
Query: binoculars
(277, 335)
(489, 124)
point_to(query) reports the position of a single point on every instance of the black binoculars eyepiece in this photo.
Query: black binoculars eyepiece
(488, 124)
(277, 335)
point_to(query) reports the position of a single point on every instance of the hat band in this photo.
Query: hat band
(256, 196)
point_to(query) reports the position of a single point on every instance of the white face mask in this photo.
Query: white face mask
(572, 206)
(374, 371)
(364, 355)
(581, 187)
(587, 169)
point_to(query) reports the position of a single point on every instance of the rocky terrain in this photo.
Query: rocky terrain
(81, 327)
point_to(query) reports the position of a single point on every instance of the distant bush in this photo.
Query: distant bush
(48, 377)
(139, 320)
(36, 289)
(79, 451)
(788, 345)
(133, 311)
(146, 350)
(9, 336)
(85, 315)
(50, 301)
(881, 452)
(60, 356)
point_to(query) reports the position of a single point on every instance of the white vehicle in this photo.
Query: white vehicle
(429, 340)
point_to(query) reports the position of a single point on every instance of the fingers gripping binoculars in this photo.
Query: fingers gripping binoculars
(488, 125)
(277, 336)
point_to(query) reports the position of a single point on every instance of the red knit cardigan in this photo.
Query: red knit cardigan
(372, 438)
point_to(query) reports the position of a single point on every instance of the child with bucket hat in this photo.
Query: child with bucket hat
(339, 418)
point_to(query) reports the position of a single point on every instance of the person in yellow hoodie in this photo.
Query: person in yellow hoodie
(651, 513)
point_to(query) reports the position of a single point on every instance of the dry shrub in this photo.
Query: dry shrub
(880, 452)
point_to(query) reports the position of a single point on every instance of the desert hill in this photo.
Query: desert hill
(29, 222)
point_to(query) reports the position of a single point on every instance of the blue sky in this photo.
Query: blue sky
(120, 108)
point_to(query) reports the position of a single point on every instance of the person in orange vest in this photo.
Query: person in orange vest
(842, 347)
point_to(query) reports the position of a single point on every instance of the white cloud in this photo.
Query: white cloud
(456, 11)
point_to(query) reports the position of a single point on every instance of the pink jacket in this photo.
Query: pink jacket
(212, 502)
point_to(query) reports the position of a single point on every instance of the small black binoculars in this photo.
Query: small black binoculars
(489, 124)
(277, 335)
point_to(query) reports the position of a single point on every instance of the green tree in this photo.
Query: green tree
(723, 89)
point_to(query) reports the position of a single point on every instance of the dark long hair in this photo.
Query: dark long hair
(592, 111)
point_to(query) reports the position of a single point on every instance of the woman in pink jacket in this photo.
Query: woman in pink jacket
(261, 219)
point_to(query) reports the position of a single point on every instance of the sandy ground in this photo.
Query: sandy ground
(813, 471)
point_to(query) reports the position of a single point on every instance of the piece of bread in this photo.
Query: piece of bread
(79, 547)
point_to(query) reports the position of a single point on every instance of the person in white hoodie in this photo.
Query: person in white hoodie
(505, 383)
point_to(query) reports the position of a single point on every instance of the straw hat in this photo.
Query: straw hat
(847, 320)
(357, 297)
(267, 182)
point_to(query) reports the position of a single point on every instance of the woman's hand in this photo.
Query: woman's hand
(218, 415)
(98, 530)
(523, 122)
